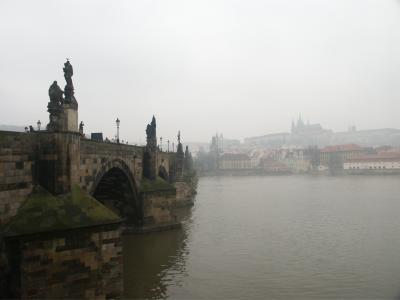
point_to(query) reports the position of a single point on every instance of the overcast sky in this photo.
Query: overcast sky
(243, 68)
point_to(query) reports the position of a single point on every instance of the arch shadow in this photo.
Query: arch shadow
(116, 188)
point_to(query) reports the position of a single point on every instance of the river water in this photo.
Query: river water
(284, 237)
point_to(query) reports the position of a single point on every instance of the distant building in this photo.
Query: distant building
(271, 166)
(333, 157)
(274, 140)
(301, 134)
(373, 163)
(306, 134)
(220, 144)
(305, 128)
(372, 138)
(216, 144)
(298, 160)
(236, 161)
(210, 161)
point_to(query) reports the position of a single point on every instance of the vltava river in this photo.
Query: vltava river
(278, 238)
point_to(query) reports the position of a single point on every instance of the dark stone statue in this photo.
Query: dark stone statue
(69, 88)
(55, 94)
(151, 133)
(162, 171)
(188, 164)
(58, 103)
(54, 106)
(81, 128)
(179, 149)
(187, 152)
(177, 169)
(150, 153)
(68, 72)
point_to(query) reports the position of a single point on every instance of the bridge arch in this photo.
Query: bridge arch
(115, 187)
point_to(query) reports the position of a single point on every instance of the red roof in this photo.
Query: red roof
(341, 148)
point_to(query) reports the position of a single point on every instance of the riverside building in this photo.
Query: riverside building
(372, 164)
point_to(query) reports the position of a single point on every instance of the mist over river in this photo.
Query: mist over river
(282, 237)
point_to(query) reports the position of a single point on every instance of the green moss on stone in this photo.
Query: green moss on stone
(158, 185)
(43, 212)
(3, 136)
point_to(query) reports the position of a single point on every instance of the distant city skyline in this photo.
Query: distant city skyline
(141, 140)
(244, 68)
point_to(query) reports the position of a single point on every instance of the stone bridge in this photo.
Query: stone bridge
(63, 198)
(112, 173)
(140, 183)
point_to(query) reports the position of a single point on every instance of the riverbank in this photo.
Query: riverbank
(259, 172)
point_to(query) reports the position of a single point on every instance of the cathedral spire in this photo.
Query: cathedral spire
(293, 127)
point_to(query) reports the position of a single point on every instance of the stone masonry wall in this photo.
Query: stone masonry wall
(96, 156)
(158, 208)
(184, 193)
(79, 264)
(17, 154)
(58, 161)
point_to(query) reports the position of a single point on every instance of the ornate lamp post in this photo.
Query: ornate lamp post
(161, 143)
(38, 125)
(117, 122)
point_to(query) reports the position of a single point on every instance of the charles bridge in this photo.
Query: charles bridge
(65, 200)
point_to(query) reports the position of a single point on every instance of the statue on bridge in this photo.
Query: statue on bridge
(63, 110)
(151, 134)
(81, 125)
(54, 106)
(179, 149)
(69, 88)
(188, 162)
(68, 72)
(150, 153)
(162, 171)
(55, 94)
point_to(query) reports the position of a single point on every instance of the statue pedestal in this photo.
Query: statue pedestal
(69, 119)
(63, 118)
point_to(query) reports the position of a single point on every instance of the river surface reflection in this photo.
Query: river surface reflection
(275, 237)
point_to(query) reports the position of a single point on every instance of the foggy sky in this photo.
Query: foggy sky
(244, 68)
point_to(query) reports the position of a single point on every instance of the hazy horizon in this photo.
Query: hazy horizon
(242, 68)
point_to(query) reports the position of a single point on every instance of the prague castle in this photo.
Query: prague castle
(306, 134)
